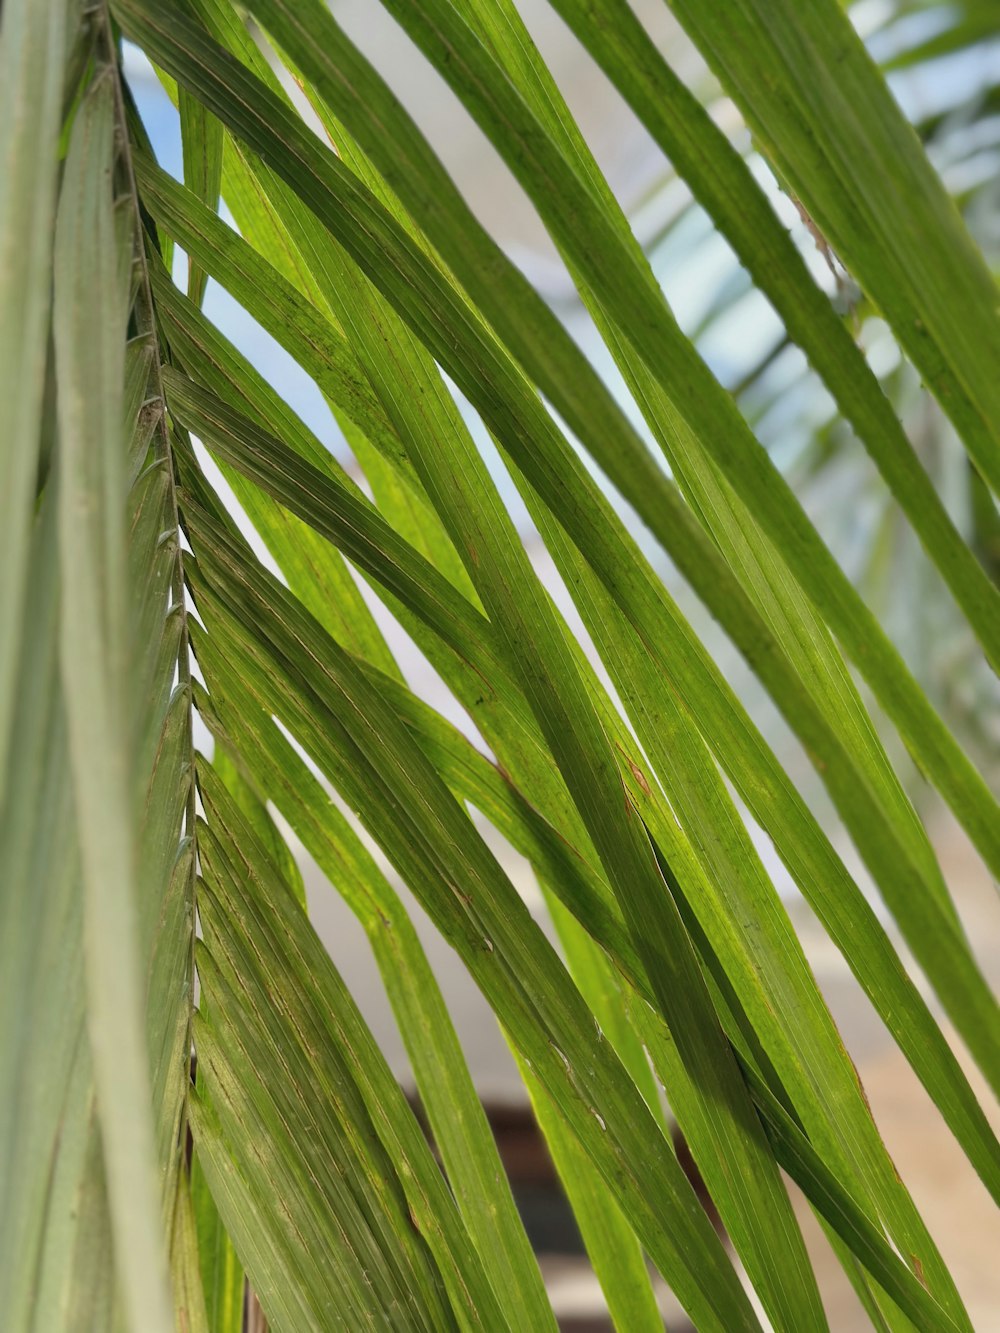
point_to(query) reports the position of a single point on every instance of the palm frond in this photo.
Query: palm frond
(186, 556)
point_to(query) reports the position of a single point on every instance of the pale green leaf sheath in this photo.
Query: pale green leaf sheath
(32, 45)
(96, 898)
(92, 273)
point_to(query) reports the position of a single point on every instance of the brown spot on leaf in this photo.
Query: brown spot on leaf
(822, 244)
(639, 776)
(636, 771)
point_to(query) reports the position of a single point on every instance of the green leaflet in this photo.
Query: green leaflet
(348, 520)
(523, 440)
(725, 186)
(839, 763)
(457, 881)
(479, 782)
(222, 1277)
(314, 489)
(185, 1256)
(842, 906)
(984, 1151)
(859, 812)
(271, 298)
(496, 796)
(471, 777)
(317, 573)
(201, 145)
(574, 760)
(796, 625)
(611, 1245)
(614, 1251)
(266, 683)
(685, 428)
(306, 332)
(830, 125)
(410, 169)
(762, 960)
(398, 1222)
(460, 1128)
(456, 1116)
(827, 1194)
(243, 1206)
(623, 284)
(229, 768)
(810, 705)
(712, 1104)
(810, 1170)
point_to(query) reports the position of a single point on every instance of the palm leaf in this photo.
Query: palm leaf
(184, 551)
